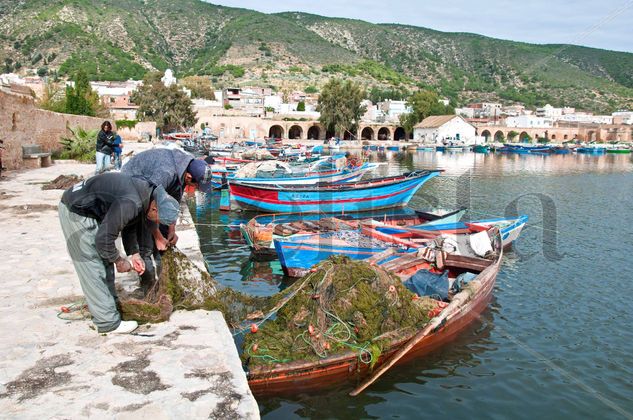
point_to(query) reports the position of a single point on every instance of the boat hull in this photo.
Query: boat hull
(302, 377)
(366, 196)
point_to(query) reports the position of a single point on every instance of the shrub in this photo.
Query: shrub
(126, 124)
(80, 146)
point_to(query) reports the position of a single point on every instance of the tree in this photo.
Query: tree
(311, 89)
(512, 135)
(81, 99)
(340, 106)
(301, 106)
(200, 87)
(170, 107)
(424, 103)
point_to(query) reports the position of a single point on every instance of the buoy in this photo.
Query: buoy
(313, 270)
(326, 346)
(415, 297)
(64, 309)
(392, 289)
(254, 328)
(316, 296)
(255, 347)
(310, 329)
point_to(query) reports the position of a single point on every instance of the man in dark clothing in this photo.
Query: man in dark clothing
(93, 213)
(105, 147)
(172, 169)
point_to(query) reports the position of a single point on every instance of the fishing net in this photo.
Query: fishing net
(62, 182)
(341, 305)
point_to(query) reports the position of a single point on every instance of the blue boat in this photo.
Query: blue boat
(393, 148)
(261, 231)
(592, 150)
(380, 193)
(298, 254)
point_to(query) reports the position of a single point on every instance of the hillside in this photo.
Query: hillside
(121, 39)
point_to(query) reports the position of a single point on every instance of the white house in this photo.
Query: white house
(438, 128)
(528, 121)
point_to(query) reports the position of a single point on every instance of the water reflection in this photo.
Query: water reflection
(573, 309)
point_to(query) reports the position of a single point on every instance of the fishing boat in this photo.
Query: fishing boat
(463, 309)
(393, 148)
(591, 150)
(425, 149)
(261, 231)
(300, 253)
(380, 193)
(276, 173)
(481, 148)
(619, 149)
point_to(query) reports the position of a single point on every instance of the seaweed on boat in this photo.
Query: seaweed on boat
(343, 306)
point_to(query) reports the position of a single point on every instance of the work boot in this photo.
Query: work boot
(125, 327)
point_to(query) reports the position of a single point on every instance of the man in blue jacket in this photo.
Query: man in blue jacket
(93, 213)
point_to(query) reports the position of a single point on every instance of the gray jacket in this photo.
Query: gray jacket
(160, 166)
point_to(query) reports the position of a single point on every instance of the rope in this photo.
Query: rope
(79, 309)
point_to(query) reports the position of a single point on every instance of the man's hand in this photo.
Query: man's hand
(138, 264)
(123, 265)
(161, 242)
(172, 238)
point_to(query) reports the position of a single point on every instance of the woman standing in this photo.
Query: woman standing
(105, 147)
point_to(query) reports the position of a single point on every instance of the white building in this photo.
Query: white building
(549, 111)
(587, 118)
(168, 79)
(528, 121)
(393, 109)
(622, 117)
(438, 128)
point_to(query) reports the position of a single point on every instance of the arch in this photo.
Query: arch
(295, 132)
(314, 132)
(276, 131)
(367, 133)
(486, 134)
(524, 137)
(591, 136)
(384, 134)
(553, 137)
(349, 135)
(500, 137)
(399, 134)
(565, 137)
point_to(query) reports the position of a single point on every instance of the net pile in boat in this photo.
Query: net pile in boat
(341, 306)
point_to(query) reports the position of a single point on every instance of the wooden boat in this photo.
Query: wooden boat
(619, 149)
(302, 178)
(591, 150)
(464, 308)
(393, 148)
(261, 231)
(481, 148)
(300, 253)
(380, 193)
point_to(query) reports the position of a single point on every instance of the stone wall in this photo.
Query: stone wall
(136, 133)
(21, 122)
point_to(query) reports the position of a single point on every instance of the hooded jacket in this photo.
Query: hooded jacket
(119, 203)
(105, 142)
(161, 166)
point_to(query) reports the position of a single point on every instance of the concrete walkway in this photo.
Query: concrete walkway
(53, 368)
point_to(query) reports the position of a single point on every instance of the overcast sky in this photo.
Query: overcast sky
(603, 24)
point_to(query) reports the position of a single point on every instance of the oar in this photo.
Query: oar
(436, 322)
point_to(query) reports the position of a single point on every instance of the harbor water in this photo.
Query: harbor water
(556, 339)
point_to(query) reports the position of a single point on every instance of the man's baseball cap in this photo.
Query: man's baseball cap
(168, 207)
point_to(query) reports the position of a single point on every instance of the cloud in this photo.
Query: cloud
(604, 24)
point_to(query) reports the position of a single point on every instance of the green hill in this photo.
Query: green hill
(121, 39)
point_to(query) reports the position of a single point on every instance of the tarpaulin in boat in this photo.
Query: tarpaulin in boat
(425, 283)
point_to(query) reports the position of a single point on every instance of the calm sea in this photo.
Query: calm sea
(556, 340)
